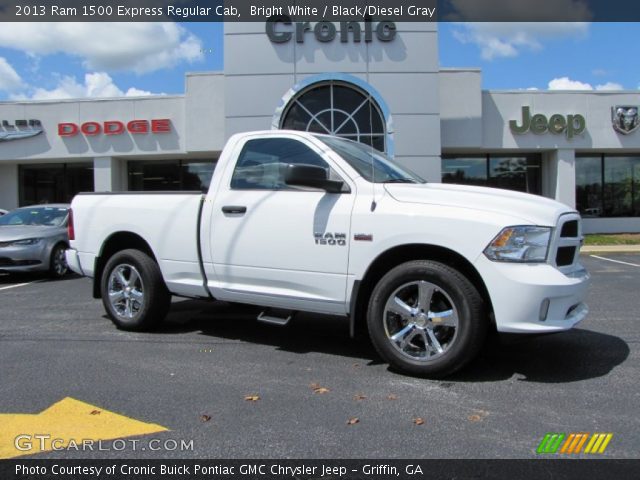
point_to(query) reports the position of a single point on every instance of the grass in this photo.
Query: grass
(613, 239)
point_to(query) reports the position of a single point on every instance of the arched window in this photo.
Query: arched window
(337, 108)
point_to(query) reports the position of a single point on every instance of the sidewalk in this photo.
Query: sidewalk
(610, 249)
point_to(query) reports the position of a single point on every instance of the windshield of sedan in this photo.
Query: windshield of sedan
(37, 216)
(372, 165)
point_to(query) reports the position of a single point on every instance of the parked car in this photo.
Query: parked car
(3, 212)
(35, 239)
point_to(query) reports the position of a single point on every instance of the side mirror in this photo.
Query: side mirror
(311, 176)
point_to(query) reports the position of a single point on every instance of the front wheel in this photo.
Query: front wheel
(133, 291)
(426, 318)
(58, 262)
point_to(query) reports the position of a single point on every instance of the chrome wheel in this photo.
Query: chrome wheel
(420, 321)
(126, 291)
(59, 265)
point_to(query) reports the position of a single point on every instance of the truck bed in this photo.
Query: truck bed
(165, 220)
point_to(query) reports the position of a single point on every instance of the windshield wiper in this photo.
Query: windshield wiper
(400, 180)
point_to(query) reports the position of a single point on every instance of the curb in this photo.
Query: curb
(610, 249)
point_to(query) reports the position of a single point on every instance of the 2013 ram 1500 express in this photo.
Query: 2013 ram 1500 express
(299, 222)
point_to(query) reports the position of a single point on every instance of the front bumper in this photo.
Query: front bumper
(25, 258)
(520, 294)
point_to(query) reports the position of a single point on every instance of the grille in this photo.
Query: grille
(5, 244)
(565, 256)
(570, 229)
(567, 241)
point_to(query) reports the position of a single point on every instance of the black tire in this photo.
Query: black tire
(450, 298)
(146, 302)
(58, 267)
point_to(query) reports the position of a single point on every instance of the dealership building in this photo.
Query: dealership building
(377, 83)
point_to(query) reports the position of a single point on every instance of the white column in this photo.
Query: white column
(559, 180)
(9, 186)
(107, 174)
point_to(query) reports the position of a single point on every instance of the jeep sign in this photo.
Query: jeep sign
(571, 125)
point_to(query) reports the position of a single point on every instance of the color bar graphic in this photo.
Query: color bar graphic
(574, 443)
(550, 442)
(598, 443)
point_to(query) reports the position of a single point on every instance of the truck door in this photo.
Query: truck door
(278, 245)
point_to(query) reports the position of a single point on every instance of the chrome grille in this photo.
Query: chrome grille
(567, 240)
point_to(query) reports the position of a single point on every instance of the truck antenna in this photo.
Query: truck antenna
(373, 166)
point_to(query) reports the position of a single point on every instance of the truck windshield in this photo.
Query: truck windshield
(372, 165)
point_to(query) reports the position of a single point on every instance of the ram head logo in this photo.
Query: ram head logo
(625, 118)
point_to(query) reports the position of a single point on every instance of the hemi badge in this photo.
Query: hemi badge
(363, 237)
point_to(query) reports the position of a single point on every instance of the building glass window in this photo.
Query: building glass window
(465, 170)
(53, 182)
(170, 175)
(589, 186)
(337, 108)
(520, 173)
(608, 186)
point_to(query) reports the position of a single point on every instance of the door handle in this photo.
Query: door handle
(237, 209)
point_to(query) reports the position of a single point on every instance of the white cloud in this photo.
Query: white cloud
(509, 39)
(140, 47)
(96, 85)
(9, 78)
(565, 83)
(610, 86)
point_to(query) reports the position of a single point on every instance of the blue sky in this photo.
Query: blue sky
(520, 56)
(50, 61)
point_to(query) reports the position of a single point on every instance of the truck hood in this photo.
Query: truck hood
(530, 209)
(10, 233)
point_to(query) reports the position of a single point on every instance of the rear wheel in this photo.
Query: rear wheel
(58, 262)
(133, 291)
(425, 318)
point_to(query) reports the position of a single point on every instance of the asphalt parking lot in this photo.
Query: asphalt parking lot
(306, 381)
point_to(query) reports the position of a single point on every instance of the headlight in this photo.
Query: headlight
(27, 241)
(528, 244)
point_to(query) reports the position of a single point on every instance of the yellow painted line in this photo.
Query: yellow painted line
(604, 445)
(68, 420)
(567, 443)
(584, 439)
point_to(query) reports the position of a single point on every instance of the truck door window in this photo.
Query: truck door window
(263, 162)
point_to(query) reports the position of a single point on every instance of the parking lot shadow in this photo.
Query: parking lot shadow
(19, 277)
(305, 333)
(564, 357)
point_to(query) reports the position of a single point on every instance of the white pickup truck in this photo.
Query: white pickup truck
(297, 222)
